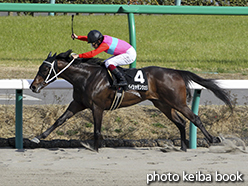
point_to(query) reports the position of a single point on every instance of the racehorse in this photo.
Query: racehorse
(168, 90)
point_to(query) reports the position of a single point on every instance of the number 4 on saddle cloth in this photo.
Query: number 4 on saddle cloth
(136, 79)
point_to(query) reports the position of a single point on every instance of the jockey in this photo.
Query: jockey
(123, 53)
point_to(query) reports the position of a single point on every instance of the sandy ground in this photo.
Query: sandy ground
(119, 166)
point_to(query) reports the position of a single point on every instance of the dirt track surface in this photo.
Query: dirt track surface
(118, 166)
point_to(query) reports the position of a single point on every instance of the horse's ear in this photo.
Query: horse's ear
(49, 55)
(54, 55)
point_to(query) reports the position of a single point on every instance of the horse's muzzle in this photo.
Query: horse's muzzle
(36, 88)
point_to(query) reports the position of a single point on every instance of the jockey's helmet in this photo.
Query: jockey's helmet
(94, 36)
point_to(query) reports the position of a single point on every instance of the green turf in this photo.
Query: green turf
(196, 43)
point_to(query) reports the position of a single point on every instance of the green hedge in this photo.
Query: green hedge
(150, 2)
(215, 2)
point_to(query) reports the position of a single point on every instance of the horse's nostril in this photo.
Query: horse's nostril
(32, 87)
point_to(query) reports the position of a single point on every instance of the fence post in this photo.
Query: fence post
(178, 2)
(18, 128)
(132, 35)
(192, 127)
(52, 2)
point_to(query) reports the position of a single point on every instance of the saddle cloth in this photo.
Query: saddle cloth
(136, 78)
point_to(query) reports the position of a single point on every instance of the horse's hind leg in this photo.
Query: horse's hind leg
(176, 119)
(197, 122)
(73, 108)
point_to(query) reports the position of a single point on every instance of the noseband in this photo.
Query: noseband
(54, 69)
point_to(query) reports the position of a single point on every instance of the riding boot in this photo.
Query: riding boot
(120, 77)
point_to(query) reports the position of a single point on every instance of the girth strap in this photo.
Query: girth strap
(119, 94)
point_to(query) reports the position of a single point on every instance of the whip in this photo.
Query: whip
(72, 25)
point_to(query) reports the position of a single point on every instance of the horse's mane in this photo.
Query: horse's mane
(79, 62)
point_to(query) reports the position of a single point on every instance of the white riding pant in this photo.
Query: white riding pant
(122, 59)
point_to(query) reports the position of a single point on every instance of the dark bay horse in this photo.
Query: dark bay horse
(168, 91)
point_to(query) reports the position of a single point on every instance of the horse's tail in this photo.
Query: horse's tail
(209, 84)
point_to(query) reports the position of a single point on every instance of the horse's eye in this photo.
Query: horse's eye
(43, 70)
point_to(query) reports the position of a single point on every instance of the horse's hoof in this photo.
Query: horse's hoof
(87, 146)
(183, 149)
(220, 139)
(35, 140)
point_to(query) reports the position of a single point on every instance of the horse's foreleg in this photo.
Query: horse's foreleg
(97, 115)
(73, 108)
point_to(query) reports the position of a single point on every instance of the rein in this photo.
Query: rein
(52, 69)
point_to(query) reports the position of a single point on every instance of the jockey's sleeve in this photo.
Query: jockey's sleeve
(83, 38)
(90, 54)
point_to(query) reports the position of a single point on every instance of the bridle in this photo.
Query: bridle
(54, 70)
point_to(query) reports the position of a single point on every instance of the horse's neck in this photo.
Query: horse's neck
(73, 74)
